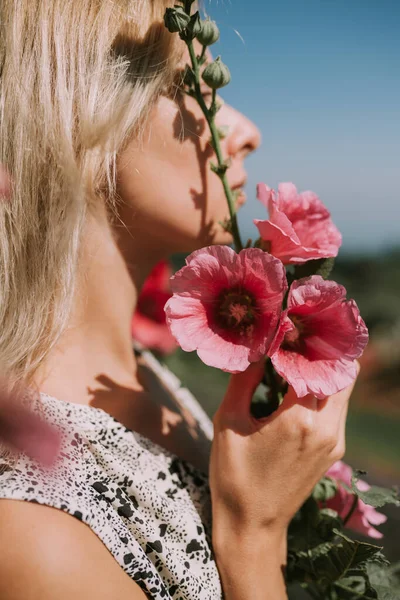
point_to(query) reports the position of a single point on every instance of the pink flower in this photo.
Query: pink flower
(149, 326)
(227, 305)
(299, 226)
(22, 430)
(364, 516)
(319, 337)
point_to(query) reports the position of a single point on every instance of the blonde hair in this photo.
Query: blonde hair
(77, 77)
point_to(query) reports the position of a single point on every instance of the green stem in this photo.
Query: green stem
(350, 590)
(202, 55)
(216, 144)
(351, 511)
(271, 378)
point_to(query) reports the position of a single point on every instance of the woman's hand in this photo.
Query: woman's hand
(262, 471)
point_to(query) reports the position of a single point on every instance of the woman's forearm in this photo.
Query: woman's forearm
(251, 565)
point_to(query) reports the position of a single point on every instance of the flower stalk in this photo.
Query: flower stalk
(351, 511)
(210, 113)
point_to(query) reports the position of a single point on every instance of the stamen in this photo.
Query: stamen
(237, 310)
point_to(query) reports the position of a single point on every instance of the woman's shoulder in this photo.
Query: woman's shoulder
(52, 555)
(151, 509)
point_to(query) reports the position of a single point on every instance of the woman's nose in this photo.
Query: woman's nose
(243, 137)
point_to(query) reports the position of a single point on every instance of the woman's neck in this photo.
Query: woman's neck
(95, 351)
(93, 363)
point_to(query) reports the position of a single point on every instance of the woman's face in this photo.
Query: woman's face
(171, 200)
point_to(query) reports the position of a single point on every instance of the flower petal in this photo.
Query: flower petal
(151, 334)
(299, 226)
(194, 311)
(188, 321)
(321, 378)
(364, 516)
(265, 195)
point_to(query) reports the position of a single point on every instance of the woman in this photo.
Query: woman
(110, 174)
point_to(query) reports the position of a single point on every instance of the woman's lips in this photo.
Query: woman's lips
(240, 197)
(238, 192)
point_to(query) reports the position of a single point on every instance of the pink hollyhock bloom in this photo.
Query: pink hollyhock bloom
(227, 305)
(299, 226)
(149, 326)
(364, 516)
(22, 430)
(319, 337)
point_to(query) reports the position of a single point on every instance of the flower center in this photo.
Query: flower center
(237, 310)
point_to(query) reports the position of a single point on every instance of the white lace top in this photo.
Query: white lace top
(150, 508)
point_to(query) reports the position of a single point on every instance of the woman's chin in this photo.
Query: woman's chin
(220, 237)
(224, 238)
(214, 236)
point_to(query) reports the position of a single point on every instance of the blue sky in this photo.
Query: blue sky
(321, 78)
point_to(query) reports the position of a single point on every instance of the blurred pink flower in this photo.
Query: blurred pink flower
(364, 516)
(227, 305)
(22, 430)
(149, 326)
(319, 337)
(299, 226)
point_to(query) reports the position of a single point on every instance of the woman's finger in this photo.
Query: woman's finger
(241, 388)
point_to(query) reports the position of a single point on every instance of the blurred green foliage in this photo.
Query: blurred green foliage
(374, 282)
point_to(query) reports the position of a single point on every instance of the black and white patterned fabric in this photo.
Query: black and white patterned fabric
(150, 508)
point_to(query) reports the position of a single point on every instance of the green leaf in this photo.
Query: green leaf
(303, 533)
(356, 586)
(339, 568)
(373, 579)
(330, 562)
(385, 593)
(384, 579)
(226, 225)
(220, 170)
(328, 522)
(375, 496)
(321, 266)
(325, 489)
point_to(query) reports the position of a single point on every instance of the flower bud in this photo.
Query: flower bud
(216, 74)
(223, 131)
(193, 27)
(209, 33)
(175, 19)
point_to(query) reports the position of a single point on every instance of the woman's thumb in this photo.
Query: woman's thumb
(241, 389)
